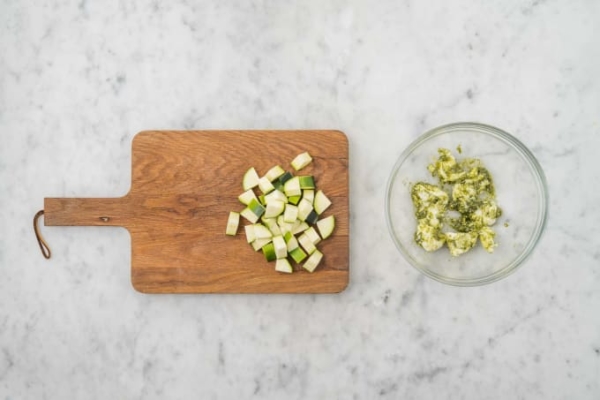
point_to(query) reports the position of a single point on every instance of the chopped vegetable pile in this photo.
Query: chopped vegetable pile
(466, 189)
(289, 208)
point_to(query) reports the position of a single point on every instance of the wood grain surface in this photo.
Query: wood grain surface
(184, 183)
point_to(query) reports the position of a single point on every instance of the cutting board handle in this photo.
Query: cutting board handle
(85, 211)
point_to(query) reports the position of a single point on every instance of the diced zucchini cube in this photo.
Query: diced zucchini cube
(280, 247)
(285, 177)
(290, 214)
(292, 187)
(250, 236)
(294, 199)
(306, 243)
(306, 182)
(313, 261)
(265, 185)
(274, 208)
(298, 255)
(283, 265)
(274, 173)
(304, 208)
(269, 252)
(309, 194)
(301, 161)
(232, 223)
(312, 235)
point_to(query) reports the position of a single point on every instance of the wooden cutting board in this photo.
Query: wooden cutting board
(184, 183)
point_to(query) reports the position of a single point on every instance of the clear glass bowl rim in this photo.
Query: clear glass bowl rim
(536, 170)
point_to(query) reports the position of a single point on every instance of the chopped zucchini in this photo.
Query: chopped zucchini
(271, 223)
(269, 252)
(274, 208)
(306, 182)
(290, 214)
(306, 243)
(249, 215)
(283, 265)
(309, 194)
(304, 208)
(250, 179)
(301, 161)
(292, 187)
(232, 223)
(262, 232)
(300, 227)
(260, 243)
(294, 200)
(312, 217)
(291, 241)
(265, 185)
(256, 208)
(250, 236)
(321, 202)
(274, 173)
(289, 205)
(312, 235)
(298, 255)
(275, 195)
(326, 226)
(280, 246)
(285, 177)
(246, 197)
(313, 261)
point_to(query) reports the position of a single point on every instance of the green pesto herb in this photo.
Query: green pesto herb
(465, 188)
(459, 149)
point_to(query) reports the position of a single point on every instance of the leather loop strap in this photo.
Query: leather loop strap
(43, 245)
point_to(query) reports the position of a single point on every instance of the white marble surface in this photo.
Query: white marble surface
(79, 79)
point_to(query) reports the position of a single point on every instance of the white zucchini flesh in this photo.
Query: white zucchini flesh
(249, 215)
(321, 202)
(301, 161)
(304, 208)
(285, 227)
(300, 227)
(291, 213)
(283, 265)
(271, 223)
(309, 194)
(306, 243)
(280, 247)
(312, 235)
(326, 226)
(292, 187)
(275, 195)
(289, 206)
(232, 223)
(265, 185)
(250, 236)
(247, 197)
(274, 208)
(274, 173)
(292, 244)
(313, 261)
(262, 232)
(250, 179)
(260, 243)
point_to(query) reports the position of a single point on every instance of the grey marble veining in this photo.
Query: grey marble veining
(79, 79)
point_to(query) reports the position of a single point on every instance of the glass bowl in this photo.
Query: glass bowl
(521, 193)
